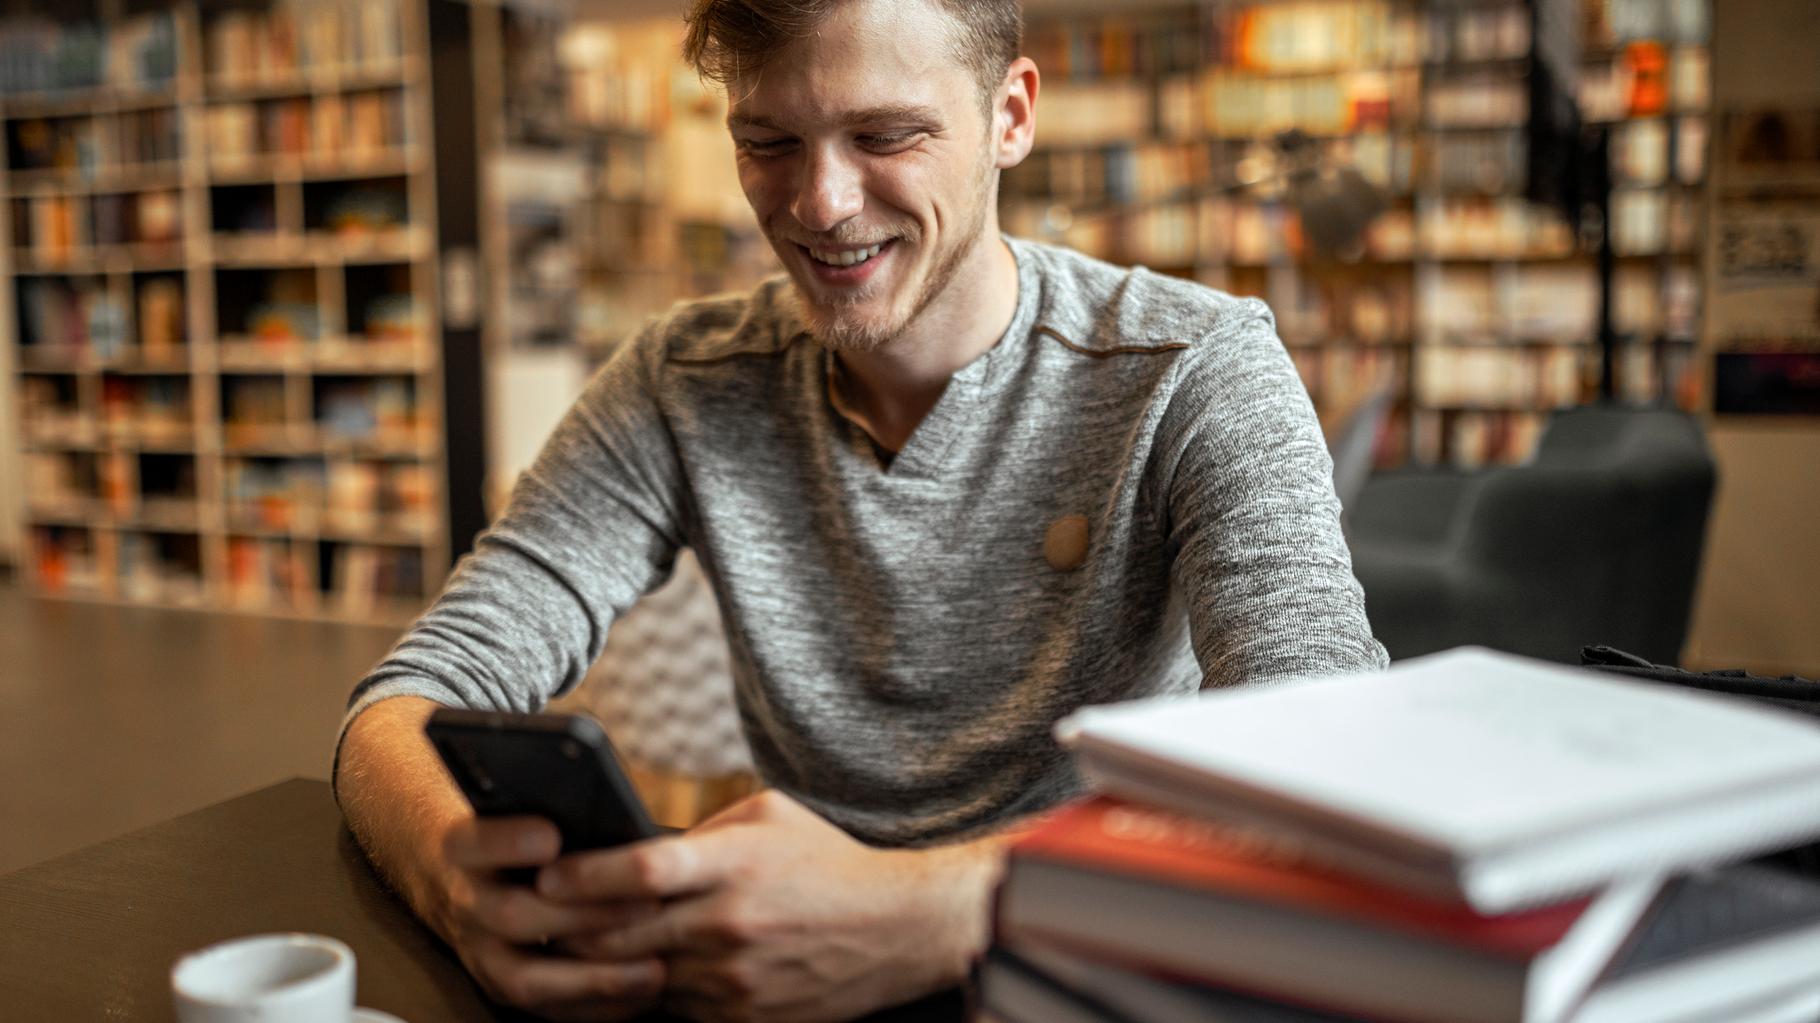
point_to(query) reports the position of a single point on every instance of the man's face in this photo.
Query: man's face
(864, 152)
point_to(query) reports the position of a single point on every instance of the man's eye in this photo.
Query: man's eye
(890, 143)
(764, 147)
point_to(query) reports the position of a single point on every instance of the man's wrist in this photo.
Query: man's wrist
(956, 883)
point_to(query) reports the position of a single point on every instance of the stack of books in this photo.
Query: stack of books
(1467, 838)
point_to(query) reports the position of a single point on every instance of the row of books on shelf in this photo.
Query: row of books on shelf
(1214, 232)
(1447, 842)
(166, 567)
(280, 315)
(1554, 303)
(1645, 222)
(618, 75)
(51, 229)
(1125, 173)
(40, 55)
(282, 42)
(1116, 47)
(1241, 104)
(307, 495)
(340, 129)
(376, 410)
(132, 144)
(1314, 37)
(1340, 376)
(350, 579)
(64, 317)
(1325, 35)
(310, 495)
(61, 319)
(1507, 226)
(157, 568)
(1483, 376)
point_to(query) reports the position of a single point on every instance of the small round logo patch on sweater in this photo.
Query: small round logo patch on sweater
(1066, 543)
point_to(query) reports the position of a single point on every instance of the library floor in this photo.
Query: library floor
(113, 718)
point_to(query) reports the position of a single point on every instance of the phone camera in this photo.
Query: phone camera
(570, 749)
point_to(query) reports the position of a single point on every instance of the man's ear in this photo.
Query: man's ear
(1014, 114)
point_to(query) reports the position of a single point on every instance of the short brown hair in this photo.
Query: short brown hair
(731, 38)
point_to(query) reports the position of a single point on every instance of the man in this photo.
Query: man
(947, 487)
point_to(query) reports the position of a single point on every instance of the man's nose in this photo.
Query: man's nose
(828, 193)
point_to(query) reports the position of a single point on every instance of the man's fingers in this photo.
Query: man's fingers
(658, 868)
(533, 981)
(589, 944)
(692, 925)
(496, 843)
(521, 916)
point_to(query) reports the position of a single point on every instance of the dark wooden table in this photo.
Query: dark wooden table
(92, 935)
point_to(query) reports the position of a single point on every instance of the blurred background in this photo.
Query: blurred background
(293, 289)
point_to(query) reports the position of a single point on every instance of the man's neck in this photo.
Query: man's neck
(891, 389)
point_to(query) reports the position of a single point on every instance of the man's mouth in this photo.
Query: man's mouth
(847, 256)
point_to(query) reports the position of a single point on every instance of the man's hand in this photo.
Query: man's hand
(505, 933)
(424, 839)
(770, 912)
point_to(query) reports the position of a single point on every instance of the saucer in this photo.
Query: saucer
(365, 1015)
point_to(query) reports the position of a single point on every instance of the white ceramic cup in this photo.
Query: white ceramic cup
(267, 978)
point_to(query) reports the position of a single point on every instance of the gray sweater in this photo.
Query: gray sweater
(904, 636)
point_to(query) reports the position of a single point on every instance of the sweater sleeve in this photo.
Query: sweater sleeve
(1253, 521)
(592, 525)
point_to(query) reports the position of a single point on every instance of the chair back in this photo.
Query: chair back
(1609, 522)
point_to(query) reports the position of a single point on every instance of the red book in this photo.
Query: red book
(1241, 907)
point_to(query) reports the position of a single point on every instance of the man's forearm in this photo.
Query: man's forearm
(397, 798)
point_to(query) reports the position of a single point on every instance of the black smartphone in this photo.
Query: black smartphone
(557, 766)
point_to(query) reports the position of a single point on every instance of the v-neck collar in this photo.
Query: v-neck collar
(925, 451)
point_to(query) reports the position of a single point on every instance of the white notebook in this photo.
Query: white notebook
(1495, 779)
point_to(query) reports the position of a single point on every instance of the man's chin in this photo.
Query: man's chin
(846, 336)
(844, 326)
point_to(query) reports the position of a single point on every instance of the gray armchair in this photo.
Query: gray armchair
(1597, 540)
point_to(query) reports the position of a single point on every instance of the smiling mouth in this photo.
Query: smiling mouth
(844, 257)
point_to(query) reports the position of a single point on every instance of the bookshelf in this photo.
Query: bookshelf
(221, 302)
(662, 217)
(1476, 309)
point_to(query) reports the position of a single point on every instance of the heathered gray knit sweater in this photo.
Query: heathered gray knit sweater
(903, 638)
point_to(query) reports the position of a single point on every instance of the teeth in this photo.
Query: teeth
(850, 257)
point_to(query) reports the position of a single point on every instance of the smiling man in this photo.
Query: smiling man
(947, 486)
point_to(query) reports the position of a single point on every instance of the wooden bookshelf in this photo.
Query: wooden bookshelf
(651, 235)
(221, 301)
(1475, 308)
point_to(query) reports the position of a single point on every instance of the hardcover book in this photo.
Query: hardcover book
(1472, 775)
(1244, 909)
